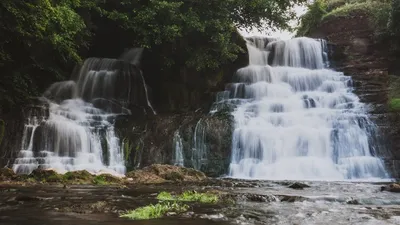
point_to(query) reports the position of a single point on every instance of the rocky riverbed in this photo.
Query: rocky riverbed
(242, 202)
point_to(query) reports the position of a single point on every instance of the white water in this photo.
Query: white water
(296, 119)
(177, 146)
(79, 132)
(199, 151)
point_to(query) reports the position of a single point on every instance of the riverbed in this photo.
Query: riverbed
(257, 202)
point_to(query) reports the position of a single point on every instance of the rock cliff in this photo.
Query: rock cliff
(356, 52)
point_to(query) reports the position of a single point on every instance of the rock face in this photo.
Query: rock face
(150, 140)
(356, 53)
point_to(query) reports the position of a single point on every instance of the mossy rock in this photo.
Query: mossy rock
(165, 173)
(81, 176)
(46, 176)
(105, 179)
(7, 174)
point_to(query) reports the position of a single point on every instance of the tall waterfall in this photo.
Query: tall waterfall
(296, 119)
(78, 133)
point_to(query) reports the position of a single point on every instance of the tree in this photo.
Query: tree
(198, 31)
(41, 40)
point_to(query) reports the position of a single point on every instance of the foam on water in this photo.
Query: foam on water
(296, 119)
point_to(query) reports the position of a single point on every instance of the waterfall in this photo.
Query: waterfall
(79, 133)
(295, 119)
(177, 146)
(199, 151)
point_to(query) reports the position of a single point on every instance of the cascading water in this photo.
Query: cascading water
(177, 146)
(295, 119)
(79, 132)
(199, 151)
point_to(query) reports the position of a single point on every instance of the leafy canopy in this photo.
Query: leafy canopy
(41, 40)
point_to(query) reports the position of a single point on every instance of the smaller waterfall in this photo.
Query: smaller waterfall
(79, 133)
(26, 162)
(177, 146)
(199, 151)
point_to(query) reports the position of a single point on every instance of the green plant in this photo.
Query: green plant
(193, 196)
(165, 196)
(100, 180)
(189, 196)
(312, 18)
(155, 211)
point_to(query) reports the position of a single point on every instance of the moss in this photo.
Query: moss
(43, 175)
(106, 179)
(155, 211)
(394, 104)
(81, 176)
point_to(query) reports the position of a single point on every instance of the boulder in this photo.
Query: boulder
(158, 173)
(391, 187)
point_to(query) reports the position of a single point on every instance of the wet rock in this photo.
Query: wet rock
(289, 198)
(352, 201)
(171, 214)
(86, 208)
(49, 175)
(165, 173)
(257, 198)
(24, 198)
(298, 186)
(391, 187)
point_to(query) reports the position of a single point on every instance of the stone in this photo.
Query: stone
(391, 188)
(298, 186)
(158, 173)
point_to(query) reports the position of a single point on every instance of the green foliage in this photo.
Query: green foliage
(165, 196)
(100, 180)
(196, 34)
(189, 196)
(193, 196)
(313, 17)
(155, 211)
(321, 11)
(368, 7)
(41, 40)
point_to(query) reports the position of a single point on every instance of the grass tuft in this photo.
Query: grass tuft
(155, 211)
(189, 196)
